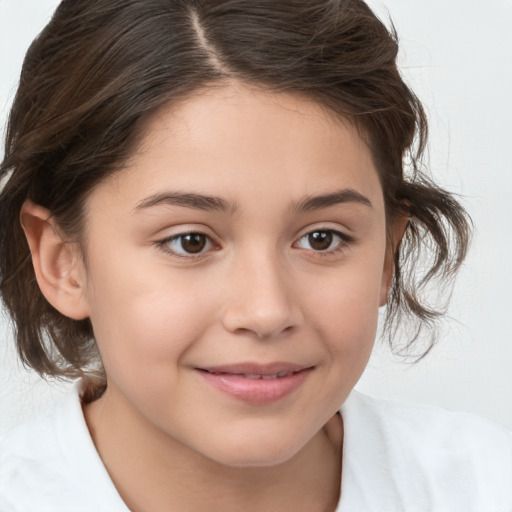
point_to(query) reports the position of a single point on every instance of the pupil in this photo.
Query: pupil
(193, 243)
(320, 240)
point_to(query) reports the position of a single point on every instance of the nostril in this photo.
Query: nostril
(262, 334)
(261, 315)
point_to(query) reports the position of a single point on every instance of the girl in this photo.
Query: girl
(205, 204)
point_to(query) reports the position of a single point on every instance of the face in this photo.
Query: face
(235, 271)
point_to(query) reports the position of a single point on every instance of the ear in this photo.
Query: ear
(397, 232)
(57, 264)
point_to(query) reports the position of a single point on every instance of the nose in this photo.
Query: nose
(260, 299)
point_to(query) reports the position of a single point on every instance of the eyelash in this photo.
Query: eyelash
(342, 245)
(164, 244)
(344, 241)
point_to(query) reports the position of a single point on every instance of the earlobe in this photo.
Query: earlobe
(397, 233)
(58, 269)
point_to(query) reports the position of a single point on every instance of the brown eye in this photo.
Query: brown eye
(324, 240)
(193, 243)
(187, 244)
(320, 240)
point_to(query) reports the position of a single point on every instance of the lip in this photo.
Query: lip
(256, 383)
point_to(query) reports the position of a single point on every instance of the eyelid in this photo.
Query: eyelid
(340, 231)
(345, 240)
(163, 243)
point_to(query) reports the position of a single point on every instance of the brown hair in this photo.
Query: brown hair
(101, 67)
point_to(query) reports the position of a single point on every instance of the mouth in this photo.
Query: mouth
(255, 376)
(254, 383)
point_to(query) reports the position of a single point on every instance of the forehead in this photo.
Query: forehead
(232, 140)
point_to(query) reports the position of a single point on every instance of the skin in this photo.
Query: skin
(258, 292)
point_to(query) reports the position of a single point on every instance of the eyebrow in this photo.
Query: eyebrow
(347, 195)
(214, 203)
(188, 200)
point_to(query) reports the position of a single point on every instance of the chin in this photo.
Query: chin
(254, 460)
(252, 453)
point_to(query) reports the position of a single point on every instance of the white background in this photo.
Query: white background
(457, 55)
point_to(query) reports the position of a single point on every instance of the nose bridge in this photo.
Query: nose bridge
(261, 299)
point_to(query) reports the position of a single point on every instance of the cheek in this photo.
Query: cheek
(144, 330)
(345, 310)
(143, 316)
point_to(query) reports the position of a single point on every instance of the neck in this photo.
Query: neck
(167, 473)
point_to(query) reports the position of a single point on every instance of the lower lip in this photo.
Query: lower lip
(255, 391)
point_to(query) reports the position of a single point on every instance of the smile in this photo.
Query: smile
(256, 376)
(256, 384)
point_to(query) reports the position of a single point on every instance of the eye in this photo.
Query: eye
(323, 240)
(187, 244)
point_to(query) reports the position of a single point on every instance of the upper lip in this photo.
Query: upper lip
(256, 368)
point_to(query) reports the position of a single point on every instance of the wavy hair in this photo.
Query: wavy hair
(100, 68)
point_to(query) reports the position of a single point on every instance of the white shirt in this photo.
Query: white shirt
(395, 458)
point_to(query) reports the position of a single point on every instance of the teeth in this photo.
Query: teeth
(267, 377)
(256, 376)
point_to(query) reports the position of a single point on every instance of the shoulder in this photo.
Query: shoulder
(33, 444)
(451, 458)
(426, 422)
(55, 458)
